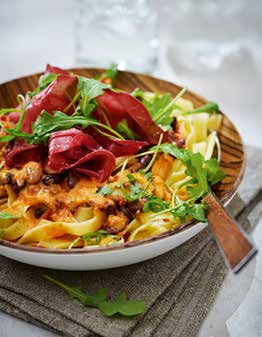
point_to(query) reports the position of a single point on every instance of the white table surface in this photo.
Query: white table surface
(36, 32)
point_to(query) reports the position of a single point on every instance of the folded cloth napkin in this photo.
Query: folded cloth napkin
(178, 287)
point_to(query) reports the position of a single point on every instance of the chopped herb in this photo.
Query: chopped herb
(130, 177)
(97, 235)
(105, 190)
(2, 233)
(6, 215)
(135, 190)
(120, 305)
(155, 204)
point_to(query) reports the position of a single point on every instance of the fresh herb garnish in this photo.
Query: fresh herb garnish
(6, 215)
(181, 210)
(155, 204)
(123, 128)
(165, 110)
(110, 73)
(8, 110)
(204, 172)
(197, 211)
(155, 107)
(120, 305)
(135, 191)
(88, 89)
(97, 235)
(105, 190)
(159, 106)
(46, 124)
(210, 107)
(214, 174)
(43, 83)
(148, 167)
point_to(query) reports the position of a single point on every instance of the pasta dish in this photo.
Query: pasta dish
(84, 163)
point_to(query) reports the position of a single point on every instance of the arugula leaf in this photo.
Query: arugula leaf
(6, 215)
(155, 204)
(138, 93)
(44, 82)
(110, 73)
(46, 79)
(79, 294)
(120, 305)
(6, 138)
(202, 171)
(46, 124)
(88, 89)
(210, 107)
(197, 211)
(105, 190)
(123, 128)
(7, 110)
(195, 169)
(214, 173)
(156, 106)
(173, 150)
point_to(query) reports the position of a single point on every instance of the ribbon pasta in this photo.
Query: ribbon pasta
(69, 215)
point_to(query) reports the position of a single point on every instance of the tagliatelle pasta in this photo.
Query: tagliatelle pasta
(103, 167)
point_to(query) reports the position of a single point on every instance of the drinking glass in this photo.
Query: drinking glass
(117, 31)
(206, 35)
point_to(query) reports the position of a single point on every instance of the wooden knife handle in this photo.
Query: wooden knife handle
(235, 245)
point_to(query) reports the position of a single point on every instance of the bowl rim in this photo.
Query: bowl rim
(226, 198)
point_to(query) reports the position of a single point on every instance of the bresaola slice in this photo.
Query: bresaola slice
(21, 153)
(121, 105)
(119, 148)
(55, 70)
(56, 96)
(74, 149)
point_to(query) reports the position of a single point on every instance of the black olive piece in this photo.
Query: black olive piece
(138, 205)
(174, 123)
(111, 210)
(145, 160)
(50, 179)
(39, 212)
(72, 180)
(9, 178)
(16, 188)
(127, 212)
